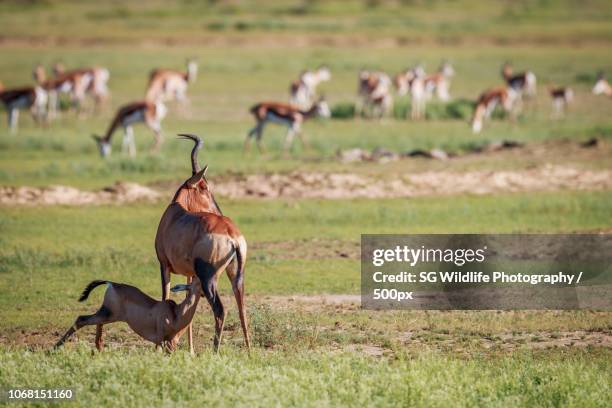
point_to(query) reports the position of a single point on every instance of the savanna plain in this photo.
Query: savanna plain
(312, 343)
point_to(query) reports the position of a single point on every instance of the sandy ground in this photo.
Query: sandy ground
(348, 185)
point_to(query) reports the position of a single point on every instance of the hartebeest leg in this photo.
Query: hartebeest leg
(102, 316)
(190, 328)
(165, 281)
(208, 276)
(238, 288)
(100, 337)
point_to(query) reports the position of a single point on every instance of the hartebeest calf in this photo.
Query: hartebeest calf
(195, 239)
(162, 323)
(33, 98)
(561, 98)
(168, 85)
(149, 113)
(303, 91)
(488, 101)
(602, 87)
(283, 114)
(524, 83)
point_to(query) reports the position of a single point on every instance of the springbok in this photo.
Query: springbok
(32, 98)
(303, 91)
(374, 94)
(561, 98)
(284, 114)
(97, 81)
(74, 84)
(150, 113)
(488, 100)
(602, 87)
(162, 323)
(195, 239)
(439, 83)
(524, 83)
(168, 85)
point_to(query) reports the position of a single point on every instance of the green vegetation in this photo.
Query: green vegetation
(308, 350)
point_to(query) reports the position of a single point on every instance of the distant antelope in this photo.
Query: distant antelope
(32, 98)
(168, 85)
(74, 84)
(195, 239)
(413, 81)
(283, 114)
(561, 98)
(162, 323)
(303, 91)
(150, 113)
(97, 78)
(602, 87)
(439, 83)
(524, 83)
(504, 96)
(374, 94)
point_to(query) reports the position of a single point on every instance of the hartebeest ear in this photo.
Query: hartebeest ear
(195, 179)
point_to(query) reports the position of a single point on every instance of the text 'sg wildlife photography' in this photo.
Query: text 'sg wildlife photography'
(306, 203)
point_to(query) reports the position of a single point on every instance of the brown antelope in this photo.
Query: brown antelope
(283, 114)
(32, 98)
(150, 113)
(74, 84)
(97, 81)
(524, 83)
(561, 98)
(413, 81)
(168, 85)
(374, 94)
(488, 100)
(602, 87)
(161, 323)
(303, 91)
(439, 83)
(195, 239)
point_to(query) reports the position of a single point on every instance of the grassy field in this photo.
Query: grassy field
(313, 345)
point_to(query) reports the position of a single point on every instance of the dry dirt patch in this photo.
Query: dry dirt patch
(119, 193)
(347, 185)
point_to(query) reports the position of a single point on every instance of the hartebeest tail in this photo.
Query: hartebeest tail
(92, 285)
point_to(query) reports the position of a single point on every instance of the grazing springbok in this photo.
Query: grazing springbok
(161, 323)
(602, 87)
(374, 94)
(169, 85)
(284, 114)
(303, 91)
(413, 81)
(195, 239)
(74, 84)
(150, 113)
(439, 83)
(97, 81)
(32, 98)
(504, 96)
(561, 98)
(524, 83)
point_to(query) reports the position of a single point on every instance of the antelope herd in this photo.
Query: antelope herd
(375, 99)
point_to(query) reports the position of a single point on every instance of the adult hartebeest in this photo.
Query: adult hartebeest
(195, 239)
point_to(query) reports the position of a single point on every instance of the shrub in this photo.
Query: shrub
(343, 110)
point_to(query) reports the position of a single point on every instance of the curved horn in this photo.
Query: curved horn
(195, 167)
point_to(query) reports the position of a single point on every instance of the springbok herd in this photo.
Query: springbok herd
(374, 99)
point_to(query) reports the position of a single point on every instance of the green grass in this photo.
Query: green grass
(313, 379)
